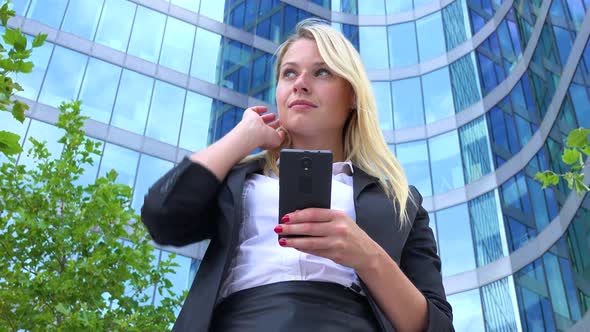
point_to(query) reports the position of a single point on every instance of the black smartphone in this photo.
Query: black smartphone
(305, 180)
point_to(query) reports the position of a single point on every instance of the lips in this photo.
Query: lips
(301, 104)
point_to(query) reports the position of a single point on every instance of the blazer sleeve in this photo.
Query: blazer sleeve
(180, 207)
(421, 264)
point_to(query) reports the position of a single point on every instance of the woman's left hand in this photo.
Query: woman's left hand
(332, 234)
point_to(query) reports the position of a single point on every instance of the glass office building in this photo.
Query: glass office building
(474, 97)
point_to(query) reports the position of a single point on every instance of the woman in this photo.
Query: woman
(368, 264)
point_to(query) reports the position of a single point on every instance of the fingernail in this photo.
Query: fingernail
(282, 242)
(278, 229)
(285, 218)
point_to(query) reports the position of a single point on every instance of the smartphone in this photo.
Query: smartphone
(305, 180)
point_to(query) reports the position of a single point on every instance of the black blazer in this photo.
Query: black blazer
(189, 204)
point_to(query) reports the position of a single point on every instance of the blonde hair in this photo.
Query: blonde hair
(364, 144)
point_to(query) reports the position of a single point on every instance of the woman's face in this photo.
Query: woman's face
(311, 99)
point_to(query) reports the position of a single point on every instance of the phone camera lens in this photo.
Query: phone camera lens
(306, 163)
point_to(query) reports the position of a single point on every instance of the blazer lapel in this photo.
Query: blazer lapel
(377, 215)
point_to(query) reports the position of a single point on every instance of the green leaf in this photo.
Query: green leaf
(39, 40)
(10, 36)
(586, 150)
(570, 156)
(18, 110)
(579, 185)
(547, 178)
(24, 66)
(9, 143)
(578, 138)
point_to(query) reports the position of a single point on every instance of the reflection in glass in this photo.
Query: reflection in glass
(149, 171)
(371, 7)
(31, 82)
(476, 150)
(413, 156)
(438, 98)
(122, 160)
(82, 18)
(467, 314)
(49, 12)
(115, 24)
(63, 77)
(133, 100)
(407, 103)
(146, 36)
(454, 239)
(213, 9)
(431, 39)
(98, 89)
(373, 43)
(178, 45)
(445, 161)
(19, 6)
(205, 64)
(165, 113)
(195, 122)
(383, 98)
(398, 6)
(402, 44)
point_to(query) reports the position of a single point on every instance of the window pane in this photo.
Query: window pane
(445, 159)
(195, 122)
(398, 6)
(165, 112)
(82, 17)
(476, 150)
(407, 103)
(431, 39)
(383, 98)
(205, 63)
(371, 7)
(402, 44)
(150, 170)
(192, 5)
(19, 6)
(456, 252)
(63, 76)
(178, 45)
(122, 160)
(99, 89)
(146, 37)
(115, 24)
(414, 159)
(213, 9)
(372, 43)
(31, 82)
(49, 12)
(438, 102)
(467, 314)
(132, 102)
(180, 277)
(42, 131)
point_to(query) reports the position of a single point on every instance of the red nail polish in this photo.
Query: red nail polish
(278, 229)
(282, 242)
(285, 218)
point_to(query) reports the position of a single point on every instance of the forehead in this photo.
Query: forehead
(302, 50)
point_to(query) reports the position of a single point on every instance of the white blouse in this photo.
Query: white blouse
(260, 260)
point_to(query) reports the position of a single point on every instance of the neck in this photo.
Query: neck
(332, 143)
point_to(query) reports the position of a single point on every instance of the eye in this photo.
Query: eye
(289, 73)
(323, 72)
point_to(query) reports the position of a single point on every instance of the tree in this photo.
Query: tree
(74, 256)
(574, 155)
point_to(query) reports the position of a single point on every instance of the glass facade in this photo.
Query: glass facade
(478, 97)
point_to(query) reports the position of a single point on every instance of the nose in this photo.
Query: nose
(301, 84)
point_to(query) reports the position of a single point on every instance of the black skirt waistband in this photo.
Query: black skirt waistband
(294, 306)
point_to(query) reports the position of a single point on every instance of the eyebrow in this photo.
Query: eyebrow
(315, 64)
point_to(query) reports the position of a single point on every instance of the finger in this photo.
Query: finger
(259, 109)
(275, 124)
(307, 243)
(311, 214)
(268, 117)
(308, 228)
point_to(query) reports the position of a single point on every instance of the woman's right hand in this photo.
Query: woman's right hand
(260, 129)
